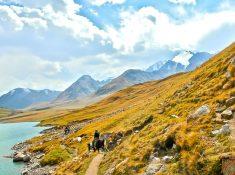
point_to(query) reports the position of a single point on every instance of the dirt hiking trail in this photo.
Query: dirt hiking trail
(94, 165)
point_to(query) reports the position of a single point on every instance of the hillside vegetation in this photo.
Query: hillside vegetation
(169, 119)
(4, 112)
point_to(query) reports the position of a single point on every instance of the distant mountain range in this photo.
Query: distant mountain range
(181, 62)
(86, 86)
(21, 97)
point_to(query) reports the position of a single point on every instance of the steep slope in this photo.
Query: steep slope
(176, 125)
(21, 98)
(128, 78)
(84, 86)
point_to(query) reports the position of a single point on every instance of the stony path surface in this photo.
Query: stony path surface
(94, 165)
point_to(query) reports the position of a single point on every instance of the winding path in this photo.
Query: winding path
(94, 165)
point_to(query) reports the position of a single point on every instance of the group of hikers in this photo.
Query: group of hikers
(96, 144)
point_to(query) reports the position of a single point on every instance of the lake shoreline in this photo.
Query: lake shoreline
(14, 138)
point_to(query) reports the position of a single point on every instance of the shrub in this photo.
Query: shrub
(55, 156)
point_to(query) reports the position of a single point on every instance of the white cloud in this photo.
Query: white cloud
(150, 28)
(62, 14)
(26, 70)
(102, 2)
(183, 1)
(183, 58)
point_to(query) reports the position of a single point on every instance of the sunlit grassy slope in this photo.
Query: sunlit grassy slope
(4, 112)
(178, 95)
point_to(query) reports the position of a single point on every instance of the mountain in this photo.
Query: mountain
(128, 78)
(155, 66)
(169, 68)
(20, 98)
(84, 86)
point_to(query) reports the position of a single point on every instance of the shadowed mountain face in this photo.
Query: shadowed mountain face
(84, 86)
(128, 78)
(21, 98)
(197, 59)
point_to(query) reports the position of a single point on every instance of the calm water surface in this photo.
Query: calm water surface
(10, 134)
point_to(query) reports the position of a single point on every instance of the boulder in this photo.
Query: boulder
(230, 101)
(26, 158)
(223, 130)
(154, 166)
(18, 157)
(199, 112)
(227, 114)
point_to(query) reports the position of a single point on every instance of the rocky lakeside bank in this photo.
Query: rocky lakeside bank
(31, 160)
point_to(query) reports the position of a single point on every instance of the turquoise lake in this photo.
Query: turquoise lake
(10, 134)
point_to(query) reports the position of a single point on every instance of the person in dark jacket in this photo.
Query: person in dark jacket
(96, 139)
(96, 135)
(66, 130)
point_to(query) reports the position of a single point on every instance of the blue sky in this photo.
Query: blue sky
(51, 43)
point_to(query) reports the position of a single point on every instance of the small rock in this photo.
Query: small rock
(167, 159)
(218, 118)
(230, 101)
(25, 172)
(227, 114)
(220, 109)
(228, 74)
(39, 156)
(79, 139)
(160, 111)
(227, 85)
(35, 166)
(199, 112)
(174, 116)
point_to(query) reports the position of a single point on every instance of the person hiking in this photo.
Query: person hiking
(96, 139)
(96, 135)
(66, 130)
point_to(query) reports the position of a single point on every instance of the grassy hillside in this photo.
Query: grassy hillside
(171, 132)
(4, 112)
